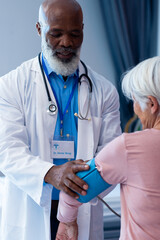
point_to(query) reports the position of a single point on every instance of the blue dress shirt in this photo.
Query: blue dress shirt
(63, 90)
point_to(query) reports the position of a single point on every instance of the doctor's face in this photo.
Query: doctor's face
(63, 36)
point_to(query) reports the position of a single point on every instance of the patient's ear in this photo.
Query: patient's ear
(153, 103)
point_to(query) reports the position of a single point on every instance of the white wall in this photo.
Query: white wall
(19, 40)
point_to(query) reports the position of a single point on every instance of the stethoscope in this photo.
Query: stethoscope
(52, 108)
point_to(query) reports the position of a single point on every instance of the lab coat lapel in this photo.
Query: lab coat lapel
(85, 127)
(45, 121)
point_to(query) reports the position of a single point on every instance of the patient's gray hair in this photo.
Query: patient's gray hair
(142, 81)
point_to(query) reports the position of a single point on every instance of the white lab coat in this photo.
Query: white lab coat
(25, 134)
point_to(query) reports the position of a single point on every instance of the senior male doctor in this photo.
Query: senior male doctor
(48, 117)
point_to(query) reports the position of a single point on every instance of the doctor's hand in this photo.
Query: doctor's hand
(63, 177)
(67, 231)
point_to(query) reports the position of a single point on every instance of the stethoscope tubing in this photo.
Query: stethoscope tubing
(53, 106)
(44, 78)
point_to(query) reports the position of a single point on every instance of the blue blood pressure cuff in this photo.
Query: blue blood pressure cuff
(95, 182)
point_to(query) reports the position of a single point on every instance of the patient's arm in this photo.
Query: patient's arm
(68, 208)
(67, 231)
(67, 215)
(111, 164)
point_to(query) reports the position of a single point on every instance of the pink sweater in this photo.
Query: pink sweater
(134, 161)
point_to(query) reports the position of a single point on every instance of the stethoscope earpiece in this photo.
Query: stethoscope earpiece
(80, 117)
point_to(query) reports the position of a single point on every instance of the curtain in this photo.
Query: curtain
(131, 31)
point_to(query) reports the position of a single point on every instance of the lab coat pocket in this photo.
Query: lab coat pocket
(97, 122)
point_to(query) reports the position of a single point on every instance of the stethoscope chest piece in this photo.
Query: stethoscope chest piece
(52, 108)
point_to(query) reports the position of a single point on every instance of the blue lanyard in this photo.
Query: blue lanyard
(61, 114)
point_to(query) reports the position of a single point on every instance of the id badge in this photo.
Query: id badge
(62, 147)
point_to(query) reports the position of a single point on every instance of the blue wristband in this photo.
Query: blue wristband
(95, 182)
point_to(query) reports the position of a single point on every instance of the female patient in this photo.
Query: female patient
(133, 160)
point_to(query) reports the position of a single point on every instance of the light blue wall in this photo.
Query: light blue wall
(19, 40)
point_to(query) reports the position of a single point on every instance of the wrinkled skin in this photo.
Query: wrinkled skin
(67, 231)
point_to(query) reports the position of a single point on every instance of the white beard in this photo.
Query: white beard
(64, 68)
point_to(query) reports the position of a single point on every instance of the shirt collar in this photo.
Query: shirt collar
(49, 69)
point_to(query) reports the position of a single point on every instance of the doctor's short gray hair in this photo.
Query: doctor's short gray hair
(143, 81)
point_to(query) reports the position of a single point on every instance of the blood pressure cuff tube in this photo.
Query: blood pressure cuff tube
(95, 182)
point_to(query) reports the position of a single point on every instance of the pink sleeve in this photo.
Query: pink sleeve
(67, 208)
(111, 161)
(112, 165)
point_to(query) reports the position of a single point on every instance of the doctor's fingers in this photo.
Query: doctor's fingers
(71, 193)
(75, 184)
(78, 161)
(79, 165)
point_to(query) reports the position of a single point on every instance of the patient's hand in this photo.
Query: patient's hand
(67, 231)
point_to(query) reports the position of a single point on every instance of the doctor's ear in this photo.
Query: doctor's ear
(38, 26)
